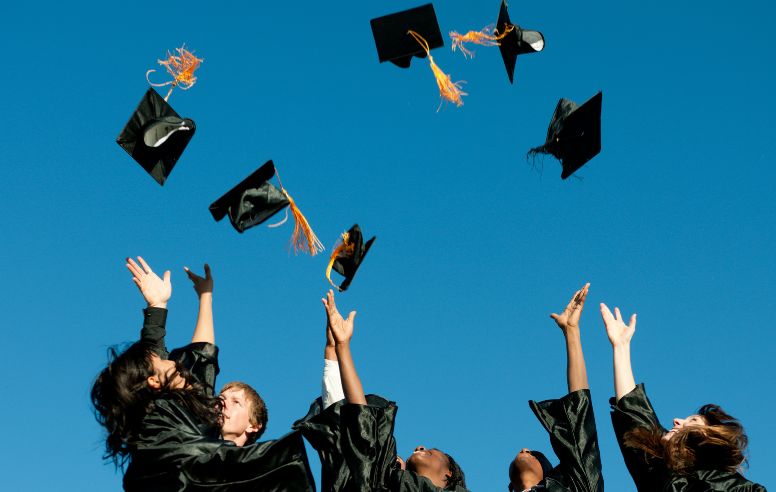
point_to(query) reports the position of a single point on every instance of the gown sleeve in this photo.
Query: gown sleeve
(201, 360)
(370, 452)
(635, 410)
(154, 320)
(571, 424)
(178, 453)
(321, 428)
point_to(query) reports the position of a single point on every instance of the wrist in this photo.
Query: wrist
(206, 296)
(161, 305)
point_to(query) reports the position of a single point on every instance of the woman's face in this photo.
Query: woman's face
(163, 371)
(692, 420)
(430, 463)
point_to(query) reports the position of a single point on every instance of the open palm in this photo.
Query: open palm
(341, 329)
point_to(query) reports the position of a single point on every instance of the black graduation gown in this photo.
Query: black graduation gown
(178, 453)
(634, 409)
(369, 449)
(321, 428)
(571, 424)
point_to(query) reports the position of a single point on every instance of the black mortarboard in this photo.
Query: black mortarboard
(252, 201)
(348, 255)
(517, 42)
(393, 42)
(155, 136)
(574, 135)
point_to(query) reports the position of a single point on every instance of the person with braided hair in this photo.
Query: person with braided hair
(569, 421)
(356, 435)
(705, 451)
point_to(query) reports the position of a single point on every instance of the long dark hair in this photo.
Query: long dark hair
(719, 445)
(122, 398)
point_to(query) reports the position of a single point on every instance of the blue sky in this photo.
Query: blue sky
(675, 219)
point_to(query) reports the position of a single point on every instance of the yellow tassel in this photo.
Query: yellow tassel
(342, 250)
(304, 238)
(181, 68)
(448, 89)
(486, 37)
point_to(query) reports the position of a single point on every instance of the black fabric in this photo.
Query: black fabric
(516, 42)
(153, 120)
(571, 424)
(179, 453)
(252, 201)
(201, 360)
(348, 266)
(154, 320)
(321, 428)
(393, 42)
(370, 451)
(574, 134)
(635, 410)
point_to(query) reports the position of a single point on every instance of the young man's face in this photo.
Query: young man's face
(236, 416)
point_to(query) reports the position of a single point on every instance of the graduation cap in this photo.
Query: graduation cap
(574, 135)
(391, 32)
(516, 42)
(414, 32)
(255, 200)
(348, 255)
(155, 136)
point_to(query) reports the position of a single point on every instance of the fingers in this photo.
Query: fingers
(617, 314)
(207, 272)
(606, 314)
(632, 322)
(146, 268)
(192, 276)
(134, 268)
(554, 316)
(351, 316)
(167, 276)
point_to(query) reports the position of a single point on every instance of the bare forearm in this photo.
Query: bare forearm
(623, 373)
(576, 372)
(204, 330)
(351, 384)
(330, 353)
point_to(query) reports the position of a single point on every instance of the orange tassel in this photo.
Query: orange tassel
(181, 68)
(342, 250)
(304, 238)
(447, 88)
(487, 37)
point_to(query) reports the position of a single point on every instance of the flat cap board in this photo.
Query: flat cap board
(155, 136)
(393, 42)
(252, 201)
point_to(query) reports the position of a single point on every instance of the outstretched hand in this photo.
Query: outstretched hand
(340, 329)
(569, 318)
(155, 290)
(201, 285)
(618, 332)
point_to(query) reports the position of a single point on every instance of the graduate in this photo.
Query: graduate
(569, 421)
(705, 451)
(162, 418)
(366, 441)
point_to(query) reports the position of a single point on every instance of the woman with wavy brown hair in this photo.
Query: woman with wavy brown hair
(705, 451)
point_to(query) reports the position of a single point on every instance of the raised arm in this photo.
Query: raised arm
(568, 321)
(331, 385)
(203, 332)
(620, 336)
(342, 331)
